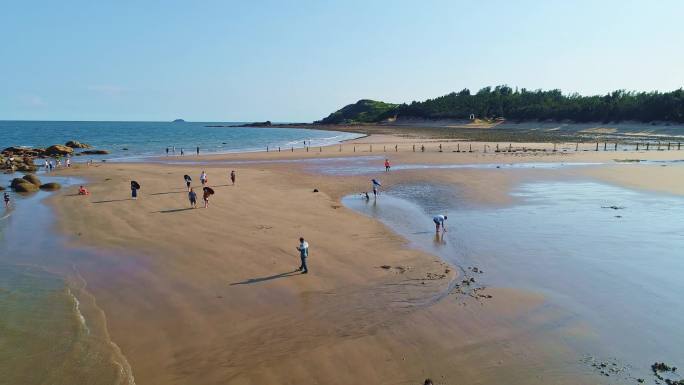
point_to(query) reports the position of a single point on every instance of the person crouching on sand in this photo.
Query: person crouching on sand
(205, 196)
(192, 196)
(439, 221)
(303, 249)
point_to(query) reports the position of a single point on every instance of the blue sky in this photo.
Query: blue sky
(300, 60)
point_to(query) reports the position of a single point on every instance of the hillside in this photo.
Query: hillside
(524, 105)
(363, 111)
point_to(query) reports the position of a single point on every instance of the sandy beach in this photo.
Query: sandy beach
(210, 296)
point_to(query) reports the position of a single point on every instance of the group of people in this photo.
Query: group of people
(182, 152)
(206, 192)
(375, 185)
(50, 165)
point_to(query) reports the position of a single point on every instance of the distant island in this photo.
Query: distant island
(179, 121)
(506, 103)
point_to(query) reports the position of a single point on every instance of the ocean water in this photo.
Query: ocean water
(51, 331)
(133, 140)
(616, 273)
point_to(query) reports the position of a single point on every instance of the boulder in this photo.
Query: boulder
(77, 144)
(17, 181)
(26, 167)
(2, 188)
(23, 151)
(52, 186)
(58, 149)
(32, 178)
(25, 187)
(94, 152)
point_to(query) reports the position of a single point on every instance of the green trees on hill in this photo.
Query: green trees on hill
(363, 111)
(523, 104)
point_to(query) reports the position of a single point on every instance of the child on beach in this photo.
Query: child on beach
(134, 191)
(203, 178)
(232, 177)
(387, 165)
(192, 196)
(205, 196)
(439, 221)
(6, 198)
(68, 162)
(303, 249)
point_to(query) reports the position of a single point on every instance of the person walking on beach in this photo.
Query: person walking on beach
(387, 165)
(303, 249)
(68, 162)
(205, 197)
(188, 181)
(47, 165)
(232, 177)
(52, 166)
(192, 196)
(197, 150)
(182, 152)
(439, 221)
(376, 186)
(203, 178)
(174, 150)
(6, 198)
(167, 151)
(134, 191)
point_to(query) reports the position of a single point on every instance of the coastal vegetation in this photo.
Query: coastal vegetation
(503, 102)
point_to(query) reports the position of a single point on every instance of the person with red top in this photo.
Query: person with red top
(387, 165)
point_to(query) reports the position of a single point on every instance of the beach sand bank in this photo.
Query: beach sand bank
(209, 296)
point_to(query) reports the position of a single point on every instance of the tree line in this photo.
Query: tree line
(524, 105)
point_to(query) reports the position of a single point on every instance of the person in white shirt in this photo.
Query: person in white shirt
(303, 249)
(439, 221)
(203, 178)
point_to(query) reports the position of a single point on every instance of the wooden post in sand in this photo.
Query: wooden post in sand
(554, 147)
(384, 148)
(471, 148)
(615, 146)
(396, 148)
(605, 145)
(576, 147)
(596, 146)
(637, 148)
(320, 149)
(354, 148)
(648, 144)
(510, 147)
(414, 148)
(458, 147)
(679, 145)
(371, 148)
(340, 148)
(668, 146)
(497, 147)
(440, 147)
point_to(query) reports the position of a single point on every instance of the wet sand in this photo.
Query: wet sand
(209, 296)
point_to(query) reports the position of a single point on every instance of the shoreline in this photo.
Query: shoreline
(284, 291)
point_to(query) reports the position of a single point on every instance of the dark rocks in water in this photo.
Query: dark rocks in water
(315, 190)
(23, 151)
(17, 181)
(178, 121)
(94, 152)
(124, 149)
(52, 186)
(58, 149)
(612, 207)
(32, 178)
(25, 187)
(258, 124)
(2, 188)
(77, 144)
